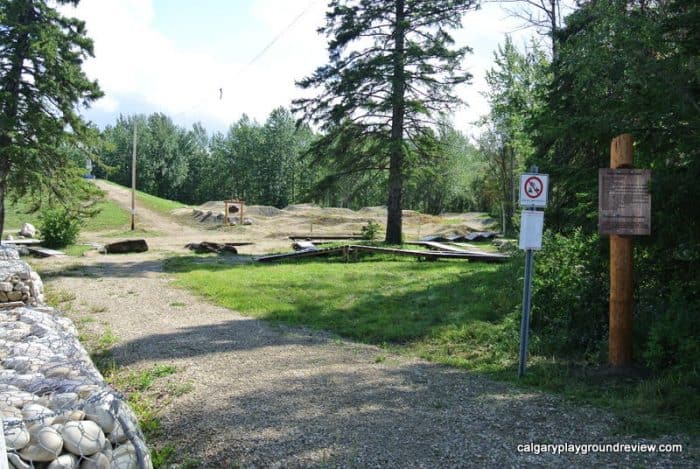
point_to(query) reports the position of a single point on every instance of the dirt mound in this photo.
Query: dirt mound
(262, 211)
(217, 206)
(300, 207)
(378, 210)
(213, 205)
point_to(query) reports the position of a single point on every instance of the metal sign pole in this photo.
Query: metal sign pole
(537, 190)
(525, 320)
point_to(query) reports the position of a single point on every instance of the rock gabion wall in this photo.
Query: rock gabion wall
(56, 409)
(18, 282)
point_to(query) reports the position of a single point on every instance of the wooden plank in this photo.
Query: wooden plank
(23, 242)
(299, 254)
(436, 246)
(469, 255)
(43, 252)
(326, 237)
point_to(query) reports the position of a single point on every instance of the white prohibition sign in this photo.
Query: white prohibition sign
(533, 187)
(533, 190)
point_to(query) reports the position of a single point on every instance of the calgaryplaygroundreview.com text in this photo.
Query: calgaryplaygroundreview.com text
(586, 448)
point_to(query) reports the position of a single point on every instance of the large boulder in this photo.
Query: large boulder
(27, 230)
(126, 246)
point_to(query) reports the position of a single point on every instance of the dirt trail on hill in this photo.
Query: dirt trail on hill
(246, 393)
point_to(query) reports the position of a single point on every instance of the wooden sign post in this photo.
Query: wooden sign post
(624, 210)
(621, 269)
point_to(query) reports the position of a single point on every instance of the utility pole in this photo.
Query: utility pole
(133, 180)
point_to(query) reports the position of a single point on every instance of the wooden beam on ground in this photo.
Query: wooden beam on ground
(21, 242)
(466, 255)
(469, 255)
(300, 254)
(43, 252)
(309, 237)
(435, 246)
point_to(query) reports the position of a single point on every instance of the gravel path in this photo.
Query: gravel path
(268, 396)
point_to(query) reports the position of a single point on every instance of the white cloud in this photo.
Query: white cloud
(136, 63)
(107, 104)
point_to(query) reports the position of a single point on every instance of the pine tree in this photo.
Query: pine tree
(42, 83)
(390, 78)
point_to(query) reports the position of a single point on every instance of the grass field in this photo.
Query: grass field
(18, 213)
(109, 217)
(449, 312)
(157, 204)
(377, 302)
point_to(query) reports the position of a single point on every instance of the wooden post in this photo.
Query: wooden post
(621, 272)
(133, 180)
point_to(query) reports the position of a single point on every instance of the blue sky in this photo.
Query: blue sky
(173, 56)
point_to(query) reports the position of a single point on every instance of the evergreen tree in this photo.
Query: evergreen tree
(41, 54)
(516, 88)
(390, 77)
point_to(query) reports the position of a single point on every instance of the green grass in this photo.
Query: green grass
(77, 250)
(450, 312)
(380, 301)
(109, 217)
(18, 213)
(157, 204)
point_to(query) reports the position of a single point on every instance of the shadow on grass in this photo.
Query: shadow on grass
(374, 301)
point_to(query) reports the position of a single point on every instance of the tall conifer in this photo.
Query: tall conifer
(41, 84)
(390, 77)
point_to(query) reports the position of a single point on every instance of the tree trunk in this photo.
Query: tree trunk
(10, 108)
(396, 158)
(554, 26)
(506, 192)
(3, 192)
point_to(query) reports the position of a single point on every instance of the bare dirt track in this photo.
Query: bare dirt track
(267, 396)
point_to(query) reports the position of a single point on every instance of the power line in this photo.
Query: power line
(281, 33)
(259, 55)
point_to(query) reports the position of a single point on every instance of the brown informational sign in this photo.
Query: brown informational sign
(624, 202)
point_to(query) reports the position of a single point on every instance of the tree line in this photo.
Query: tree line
(270, 163)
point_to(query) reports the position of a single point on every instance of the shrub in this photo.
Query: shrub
(672, 342)
(570, 295)
(370, 230)
(58, 227)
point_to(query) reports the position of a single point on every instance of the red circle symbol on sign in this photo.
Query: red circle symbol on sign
(533, 187)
